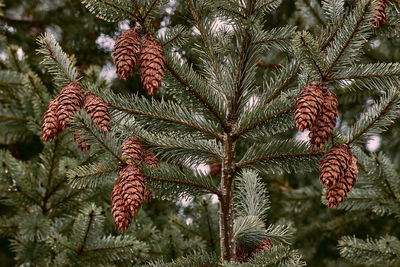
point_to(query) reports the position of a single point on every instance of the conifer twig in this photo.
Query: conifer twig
(192, 90)
(160, 179)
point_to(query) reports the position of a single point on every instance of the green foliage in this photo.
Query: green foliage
(382, 252)
(218, 86)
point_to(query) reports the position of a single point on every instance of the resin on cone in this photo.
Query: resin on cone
(133, 188)
(152, 61)
(132, 150)
(322, 128)
(308, 106)
(126, 52)
(70, 100)
(50, 126)
(97, 110)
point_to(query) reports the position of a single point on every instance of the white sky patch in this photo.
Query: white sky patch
(189, 221)
(185, 202)
(214, 199)
(302, 136)
(375, 43)
(373, 143)
(3, 56)
(108, 72)
(123, 25)
(204, 169)
(105, 42)
(20, 54)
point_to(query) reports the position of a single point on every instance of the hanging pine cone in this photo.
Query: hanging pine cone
(152, 61)
(148, 195)
(322, 128)
(132, 150)
(126, 52)
(308, 105)
(97, 110)
(70, 100)
(133, 188)
(50, 126)
(338, 173)
(380, 14)
(334, 165)
(81, 144)
(122, 217)
(149, 158)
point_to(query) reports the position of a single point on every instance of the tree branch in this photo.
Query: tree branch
(159, 179)
(164, 118)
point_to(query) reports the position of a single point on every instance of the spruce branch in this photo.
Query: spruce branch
(206, 41)
(57, 61)
(262, 121)
(377, 118)
(347, 44)
(111, 10)
(196, 93)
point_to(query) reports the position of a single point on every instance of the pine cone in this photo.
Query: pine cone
(132, 150)
(133, 188)
(338, 173)
(152, 61)
(323, 127)
(126, 52)
(50, 125)
(148, 195)
(97, 110)
(380, 14)
(70, 100)
(266, 244)
(334, 165)
(122, 218)
(215, 169)
(81, 144)
(308, 105)
(149, 158)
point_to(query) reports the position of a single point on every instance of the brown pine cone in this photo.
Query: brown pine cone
(148, 195)
(308, 105)
(215, 169)
(122, 217)
(97, 110)
(152, 61)
(70, 100)
(266, 244)
(380, 14)
(334, 165)
(336, 194)
(322, 128)
(132, 150)
(149, 158)
(81, 144)
(50, 126)
(338, 173)
(133, 188)
(126, 52)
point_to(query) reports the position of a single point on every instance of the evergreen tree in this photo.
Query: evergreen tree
(220, 106)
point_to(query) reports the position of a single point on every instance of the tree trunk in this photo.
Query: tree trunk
(227, 240)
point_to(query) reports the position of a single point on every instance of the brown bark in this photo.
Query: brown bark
(226, 218)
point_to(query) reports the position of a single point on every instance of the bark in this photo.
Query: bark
(227, 240)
